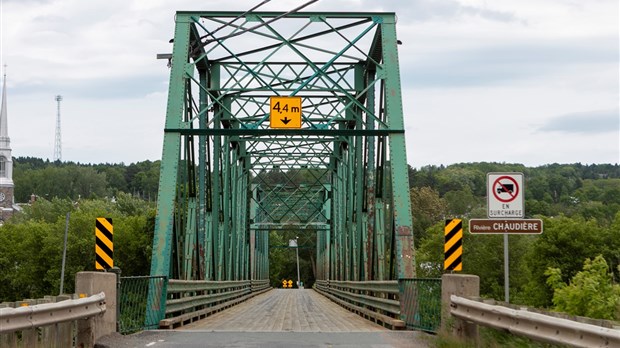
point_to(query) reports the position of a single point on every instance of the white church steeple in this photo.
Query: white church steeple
(6, 159)
(4, 132)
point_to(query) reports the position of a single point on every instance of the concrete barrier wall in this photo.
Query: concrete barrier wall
(463, 285)
(90, 283)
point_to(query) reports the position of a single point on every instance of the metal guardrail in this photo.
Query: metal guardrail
(42, 323)
(534, 325)
(190, 300)
(30, 317)
(374, 299)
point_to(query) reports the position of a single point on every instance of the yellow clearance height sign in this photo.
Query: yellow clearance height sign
(285, 112)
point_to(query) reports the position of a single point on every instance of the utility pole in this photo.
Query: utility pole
(64, 256)
(57, 141)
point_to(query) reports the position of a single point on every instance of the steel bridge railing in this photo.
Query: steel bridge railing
(421, 303)
(190, 300)
(408, 303)
(132, 301)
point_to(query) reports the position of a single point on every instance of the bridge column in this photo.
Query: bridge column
(405, 254)
(164, 221)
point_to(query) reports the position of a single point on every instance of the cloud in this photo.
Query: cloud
(425, 10)
(591, 122)
(475, 65)
(26, 1)
(124, 87)
(498, 63)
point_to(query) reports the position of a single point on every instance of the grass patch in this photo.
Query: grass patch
(490, 338)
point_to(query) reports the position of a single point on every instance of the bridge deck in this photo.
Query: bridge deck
(297, 310)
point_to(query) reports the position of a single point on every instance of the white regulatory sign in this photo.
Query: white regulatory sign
(505, 193)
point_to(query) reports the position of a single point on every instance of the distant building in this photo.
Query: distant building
(7, 199)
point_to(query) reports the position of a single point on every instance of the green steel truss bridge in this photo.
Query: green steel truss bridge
(228, 178)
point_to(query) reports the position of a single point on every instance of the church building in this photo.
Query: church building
(7, 201)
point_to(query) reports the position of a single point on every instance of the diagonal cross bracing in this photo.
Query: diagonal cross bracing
(227, 177)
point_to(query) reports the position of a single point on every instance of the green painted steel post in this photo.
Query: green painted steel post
(405, 253)
(239, 217)
(339, 226)
(190, 238)
(358, 167)
(360, 235)
(370, 187)
(266, 257)
(328, 237)
(164, 220)
(380, 236)
(202, 172)
(352, 253)
(162, 239)
(217, 184)
(253, 206)
(225, 228)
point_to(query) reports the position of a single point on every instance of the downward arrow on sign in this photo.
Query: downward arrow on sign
(285, 120)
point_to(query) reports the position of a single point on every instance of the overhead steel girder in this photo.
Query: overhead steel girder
(221, 160)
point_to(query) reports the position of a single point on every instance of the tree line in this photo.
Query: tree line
(34, 176)
(579, 204)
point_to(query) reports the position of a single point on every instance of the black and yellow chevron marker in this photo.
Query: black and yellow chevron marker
(453, 245)
(104, 246)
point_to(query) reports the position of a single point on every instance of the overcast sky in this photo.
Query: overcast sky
(528, 81)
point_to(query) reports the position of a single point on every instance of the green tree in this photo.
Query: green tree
(283, 260)
(461, 202)
(427, 209)
(31, 244)
(429, 253)
(458, 178)
(591, 292)
(564, 242)
(23, 264)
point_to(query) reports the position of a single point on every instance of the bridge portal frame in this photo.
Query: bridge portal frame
(216, 116)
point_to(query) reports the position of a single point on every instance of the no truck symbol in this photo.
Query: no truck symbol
(505, 189)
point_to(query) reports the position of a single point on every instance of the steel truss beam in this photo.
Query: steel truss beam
(227, 178)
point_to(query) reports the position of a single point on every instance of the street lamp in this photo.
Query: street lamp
(293, 243)
(297, 253)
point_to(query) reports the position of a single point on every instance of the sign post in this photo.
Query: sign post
(506, 271)
(505, 192)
